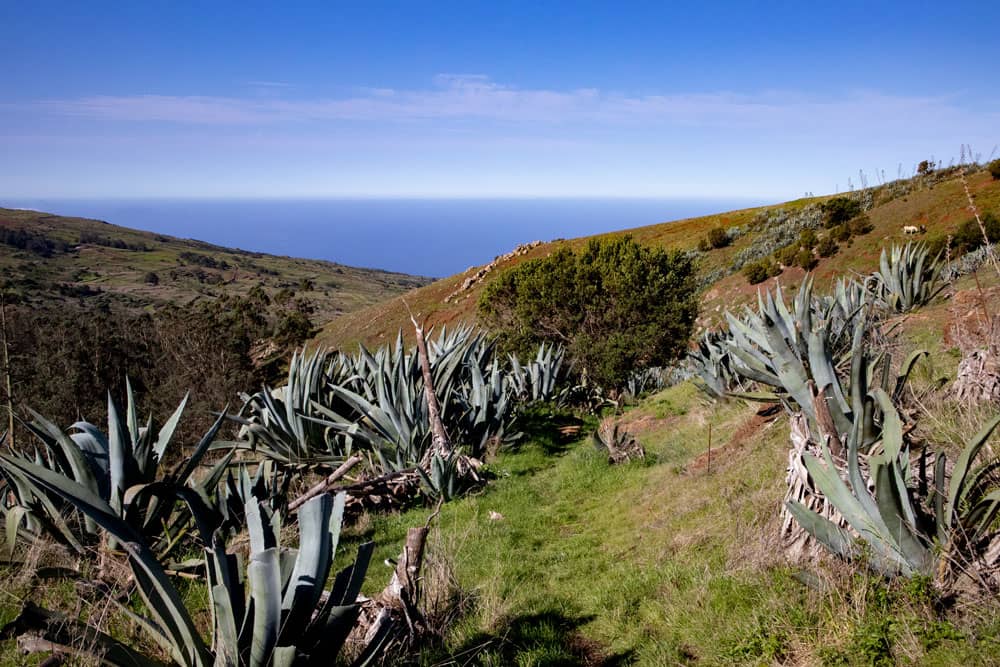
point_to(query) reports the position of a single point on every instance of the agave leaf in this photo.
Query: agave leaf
(957, 487)
(264, 575)
(204, 445)
(28, 489)
(904, 372)
(869, 527)
(181, 637)
(13, 525)
(319, 524)
(167, 432)
(916, 556)
(827, 533)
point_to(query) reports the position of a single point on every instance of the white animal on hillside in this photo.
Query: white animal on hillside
(910, 229)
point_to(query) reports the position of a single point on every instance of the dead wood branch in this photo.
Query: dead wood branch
(326, 484)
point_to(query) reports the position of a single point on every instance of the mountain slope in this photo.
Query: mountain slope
(45, 257)
(937, 202)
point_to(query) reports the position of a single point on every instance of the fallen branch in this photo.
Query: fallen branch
(324, 485)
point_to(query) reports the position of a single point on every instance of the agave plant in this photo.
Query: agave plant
(644, 380)
(541, 379)
(791, 350)
(910, 520)
(442, 479)
(121, 467)
(272, 614)
(908, 277)
(285, 425)
(619, 445)
(382, 408)
(712, 364)
(268, 486)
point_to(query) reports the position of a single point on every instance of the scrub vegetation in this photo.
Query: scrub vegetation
(813, 483)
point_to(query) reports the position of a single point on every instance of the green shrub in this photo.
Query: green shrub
(758, 272)
(787, 254)
(994, 168)
(808, 238)
(861, 225)
(704, 245)
(841, 232)
(616, 305)
(969, 236)
(839, 210)
(806, 259)
(826, 247)
(718, 238)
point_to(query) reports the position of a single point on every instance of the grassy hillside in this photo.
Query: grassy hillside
(563, 559)
(676, 560)
(68, 258)
(938, 203)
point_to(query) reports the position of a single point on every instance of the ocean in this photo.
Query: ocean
(429, 237)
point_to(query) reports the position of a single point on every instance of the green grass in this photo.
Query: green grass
(660, 562)
(651, 564)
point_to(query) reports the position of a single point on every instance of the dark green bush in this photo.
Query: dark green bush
(841, 232)
(808, 238)
(758, 272)
(806, 259)
(718, 238)
(861, 225)
(969, 236)
(704, 245)
(839, 210)
(151, 278)
(616, 305)
(787, 254)
(826, 247)
(994, 168)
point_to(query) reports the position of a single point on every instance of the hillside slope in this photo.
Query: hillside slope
(45, 257)
(938, 202)
(565, 560)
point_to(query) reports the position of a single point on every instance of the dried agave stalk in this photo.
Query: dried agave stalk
(798, 544)
(620, 445)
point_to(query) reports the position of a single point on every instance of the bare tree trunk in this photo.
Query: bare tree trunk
(399, 600)
(440, 443)
(6, 369)
(325, 484)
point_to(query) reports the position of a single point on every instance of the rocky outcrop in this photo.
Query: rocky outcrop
(484, 271)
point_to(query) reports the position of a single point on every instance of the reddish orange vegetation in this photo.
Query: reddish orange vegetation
(940, 208)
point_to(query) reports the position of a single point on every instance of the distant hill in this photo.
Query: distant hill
(46, 258)
(936, 201)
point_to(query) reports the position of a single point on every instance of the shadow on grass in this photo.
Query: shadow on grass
(551, 431)
(546, 639)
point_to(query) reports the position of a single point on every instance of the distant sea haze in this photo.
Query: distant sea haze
(428, 237)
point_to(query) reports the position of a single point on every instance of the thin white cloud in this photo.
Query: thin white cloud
(269, 84)
(458, 97)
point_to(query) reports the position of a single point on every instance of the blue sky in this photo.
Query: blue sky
(465, 99)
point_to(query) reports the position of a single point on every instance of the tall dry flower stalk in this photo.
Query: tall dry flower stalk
(978, 377)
